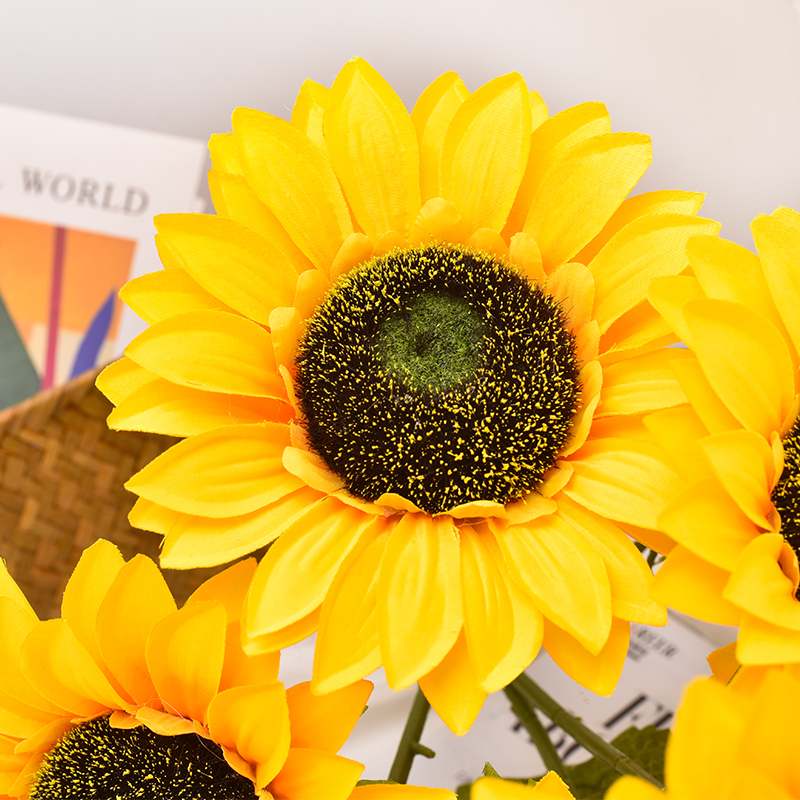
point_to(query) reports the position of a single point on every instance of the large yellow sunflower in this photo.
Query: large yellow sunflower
(736, 520)
(414, 351)
(734, 742)
(125, 696)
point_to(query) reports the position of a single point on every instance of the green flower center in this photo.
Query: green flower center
(439, 374)
(786, 494)
(94, 760)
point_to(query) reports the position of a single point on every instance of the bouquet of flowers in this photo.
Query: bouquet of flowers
(428, 360)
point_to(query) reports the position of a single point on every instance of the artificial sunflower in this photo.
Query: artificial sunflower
(550, 787)
(126, 696)
(729, 742)
(413, 351)
(736, 520)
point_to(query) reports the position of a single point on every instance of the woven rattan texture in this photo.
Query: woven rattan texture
(61, 487)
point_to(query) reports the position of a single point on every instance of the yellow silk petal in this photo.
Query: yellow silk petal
(432, 114)
(311, 288)
(723, 662)
(122, 378)
(622, 479)
(713, 412)
(743, 462)
(324, 723)
(286, 329)
(649, 247)
(60, 668)
(236, 720)
(292, 176)
(399, 791)
(572, 287)
(524, 254)
(309, 110)
(247, 272)
(640, 384)
(150, 516)
(161, 406)
(580, 192)
(92, 577)
(234, 199)
(639, 330)
(453, 690)
(223, 472)
(777, 241)
(549, 141)
(240, 669)
(311, 469)
(678, 431)
(628, 574)
(490, 241)
(759, 586)
(591, 382)
(485, 152)
(600, 672)
(761, 642)
(224, 158)
(738, 348)
(694, 586)
(210, 350)
(632, 208)
(419, 597)
(438, 221)
(228, 587)
(295, 574)
(193, 542)
(348, 646)
(567, 580)
(159, 295)
(277, 640)
(630, 788)
(373, 149)
(311, 774)
(136, 600)
(705, 519)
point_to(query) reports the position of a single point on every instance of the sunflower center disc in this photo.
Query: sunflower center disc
(439, 374)
(786, 494)
(95, 760)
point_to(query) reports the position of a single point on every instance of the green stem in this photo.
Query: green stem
(527, 716)
(597, 746)
(409, 742)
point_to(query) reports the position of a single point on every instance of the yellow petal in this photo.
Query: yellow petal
(234, 199)
(649, 247)
(640, 384)
(247, 272)
(309, 109)
(356, 249)
(630, 788)
(150, 516)
(311, 288)
(399, 791)
(628, 574)
(678, 431)
(580, 192)
(236, 721)
(438, 221)
(490, 241)
(311, 469)
(373, 149)
(705, 519)
(591, 382)
(61, 670)
(645, 204)
(347, 644)
(161, 406)
(122, 378)
(640, 330)
(163, 724)
(622, 479)
(311, 774)
(525, 256)
(736, 347)
(485, 152)
(159, 295)
(550, 141)
(419, 597)
(572, 287)
(566, 579)
(277, 640)
(223, 472)
(694, 586)
(210, 350)
(194, 542)
(228, 587)
(761, 642)
(453, 690)
(778, 244)
(295, 574)
(240, 668)
(224, 158)
(713, 412)
(136, 600)
(600, 672)
(431, 116)
(292, 176)
(324, 723)
(723, 663)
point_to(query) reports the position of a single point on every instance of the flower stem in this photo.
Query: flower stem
(527, 716)
(409, 742)
(597, 746)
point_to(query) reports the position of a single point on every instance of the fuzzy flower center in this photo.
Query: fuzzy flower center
(439, 374)
(786, 494)
(95, 760)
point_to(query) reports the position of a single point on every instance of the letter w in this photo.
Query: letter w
(32, 180)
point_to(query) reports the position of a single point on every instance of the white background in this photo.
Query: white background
(716, 83)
